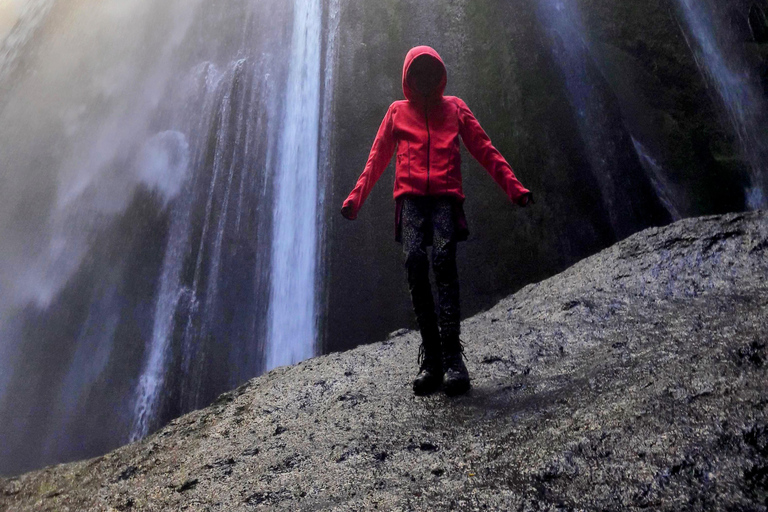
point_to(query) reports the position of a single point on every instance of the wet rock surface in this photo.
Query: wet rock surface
(636, 379)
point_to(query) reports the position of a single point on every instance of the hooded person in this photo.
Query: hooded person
(424, 130)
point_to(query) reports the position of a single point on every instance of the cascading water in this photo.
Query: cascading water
(173, 293)
(326, 153)
(292, 318)
(721, 56)
(658, 178)
(25, 23)
(158, 175)
(627, 193)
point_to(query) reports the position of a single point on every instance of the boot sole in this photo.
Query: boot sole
(424, 390)
(457, 388)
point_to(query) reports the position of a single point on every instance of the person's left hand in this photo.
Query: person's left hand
(526, 199)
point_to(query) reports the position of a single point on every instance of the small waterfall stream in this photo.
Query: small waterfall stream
(720, 55)
(628, 194)
(658, 178)
(175, 300)
(292, 317)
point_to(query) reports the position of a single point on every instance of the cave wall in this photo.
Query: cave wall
(500, 61)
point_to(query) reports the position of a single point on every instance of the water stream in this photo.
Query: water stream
(292, 311)
(720, 54)
(629, 195)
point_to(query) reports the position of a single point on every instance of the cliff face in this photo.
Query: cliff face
(635, 379)
(565, 99)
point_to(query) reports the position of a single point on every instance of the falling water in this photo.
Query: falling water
(658, 179)
(31, 16)
(139, 208)
(292, 318)
(722, 60)
(171, 291)
(569, 48)
(326, 154)
(187, 336)
(626, 191)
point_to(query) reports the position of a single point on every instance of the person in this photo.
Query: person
(424, 130)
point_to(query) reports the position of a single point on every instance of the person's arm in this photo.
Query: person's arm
(381, 153)
(479, 145)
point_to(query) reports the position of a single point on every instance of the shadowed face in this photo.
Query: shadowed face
(425, 74)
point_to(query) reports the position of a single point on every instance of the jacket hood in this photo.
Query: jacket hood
(412, 95)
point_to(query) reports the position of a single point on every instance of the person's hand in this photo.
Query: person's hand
(348, 212)
(526, 199)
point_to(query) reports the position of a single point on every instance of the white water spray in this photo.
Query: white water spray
(29, 17)
(740, 91)
(291, 326)
(658, 179)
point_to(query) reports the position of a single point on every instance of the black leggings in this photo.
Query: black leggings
(424, 221)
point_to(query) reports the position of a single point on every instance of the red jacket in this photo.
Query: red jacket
(425, 132)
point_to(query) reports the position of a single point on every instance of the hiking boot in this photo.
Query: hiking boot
(456, 379)
(430, 375)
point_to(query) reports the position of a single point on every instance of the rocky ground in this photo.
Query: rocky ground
(637, 379)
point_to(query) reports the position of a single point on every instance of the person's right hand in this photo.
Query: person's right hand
(348, 212)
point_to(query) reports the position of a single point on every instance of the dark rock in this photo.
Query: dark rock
(427, 447)
(258, 498)
(187, 485)
(754, 353)
(500, 61)
(126, 505)
(127, 473)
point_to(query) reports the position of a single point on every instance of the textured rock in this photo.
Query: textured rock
(635, 379)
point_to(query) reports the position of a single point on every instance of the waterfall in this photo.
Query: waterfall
(171, 293)
(186, 326)
(627, 193)
(186, 330)
(161, 213)
(722, 60)
(327, 154)
(658, 179)
(292, 311)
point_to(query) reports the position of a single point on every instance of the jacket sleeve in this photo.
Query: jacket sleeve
(381, 153)
(479, 145)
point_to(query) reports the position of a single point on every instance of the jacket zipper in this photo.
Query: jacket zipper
(429, 139)
(409, 165)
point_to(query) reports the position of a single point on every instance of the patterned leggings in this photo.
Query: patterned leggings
(424, 221)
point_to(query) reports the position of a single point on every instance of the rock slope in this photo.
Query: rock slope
(637, 379)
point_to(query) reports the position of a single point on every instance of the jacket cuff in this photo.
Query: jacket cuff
(350, 203)
(517, 195)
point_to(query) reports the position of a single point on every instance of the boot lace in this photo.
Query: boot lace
(427, 359)
(455, 354)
